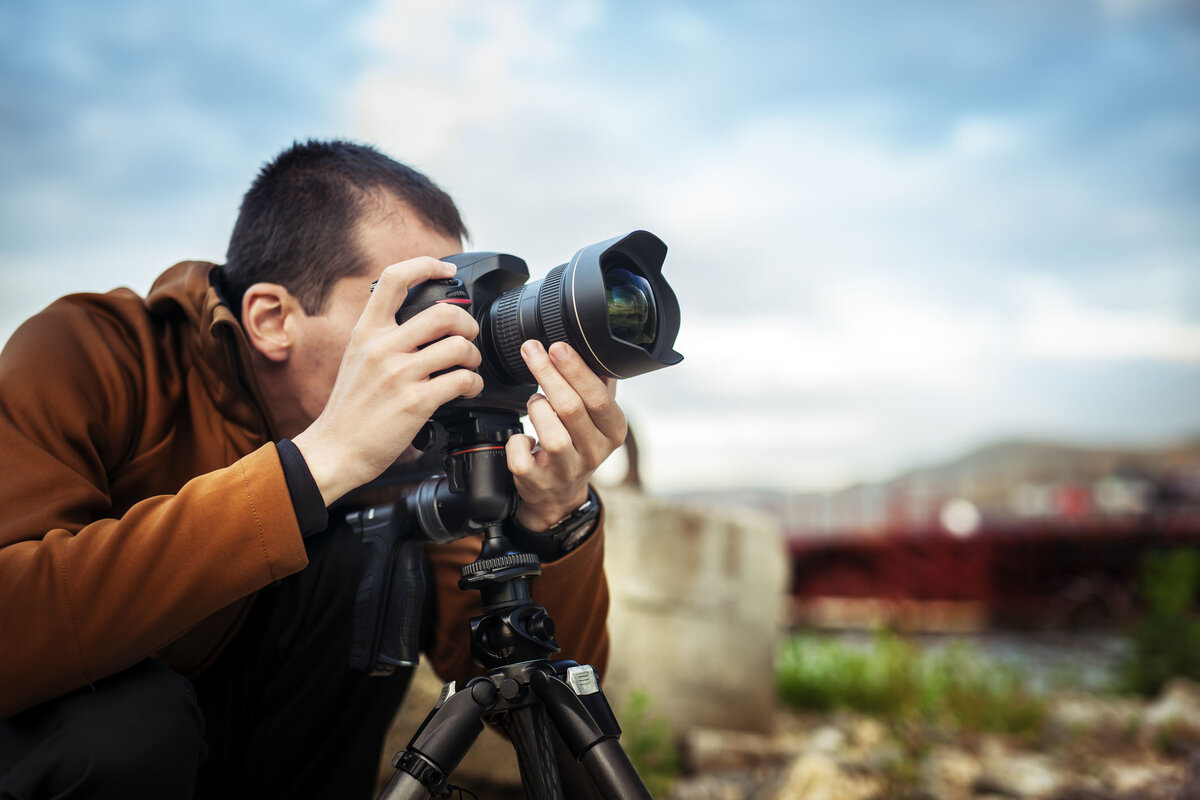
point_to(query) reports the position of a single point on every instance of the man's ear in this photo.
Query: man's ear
(266, 312)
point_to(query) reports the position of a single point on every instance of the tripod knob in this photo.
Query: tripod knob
(432, 436)
(500, 568)
(541, 625)
(511, 690)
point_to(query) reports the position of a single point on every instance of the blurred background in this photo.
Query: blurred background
(939, 268)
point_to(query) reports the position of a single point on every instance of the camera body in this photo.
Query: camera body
(610, 302)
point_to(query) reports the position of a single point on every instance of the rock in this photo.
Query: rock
(696, 610)
(816, 776)
(1130, 779)
(1016, 774)
(867, 733)
(714, 750)
(1172, 722)
(722, 786)
(950, 772)
(1191, 784)
(1179, 699)
(1109, 722)
(827, 739)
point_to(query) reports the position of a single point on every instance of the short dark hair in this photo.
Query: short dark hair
(297, 222)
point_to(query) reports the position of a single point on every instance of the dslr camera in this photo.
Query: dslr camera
(609, 302)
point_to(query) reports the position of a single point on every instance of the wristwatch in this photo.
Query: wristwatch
(563, 536)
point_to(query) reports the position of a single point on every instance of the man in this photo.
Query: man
(176, 606)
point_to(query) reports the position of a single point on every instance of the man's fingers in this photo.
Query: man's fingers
(434, 323)
(519, 449)
(552, 434)
(454, 384)
(578, 394)
(394, 283)
(447, 353)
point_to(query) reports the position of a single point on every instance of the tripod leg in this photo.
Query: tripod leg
(581, 714)
(403, 786)
(441, 742)
(529, 729)
(612, 771)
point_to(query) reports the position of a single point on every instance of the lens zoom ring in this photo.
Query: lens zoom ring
(550, 306)
(506, 334)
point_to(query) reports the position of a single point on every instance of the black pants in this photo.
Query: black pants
(279, 715)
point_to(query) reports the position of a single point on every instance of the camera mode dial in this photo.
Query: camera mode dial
(431, 293)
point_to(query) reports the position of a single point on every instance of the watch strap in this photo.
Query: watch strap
(563, 536)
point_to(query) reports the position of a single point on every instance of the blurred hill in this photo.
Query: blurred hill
(1001, 482)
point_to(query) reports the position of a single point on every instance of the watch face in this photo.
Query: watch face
(590, 510)
(577, 537)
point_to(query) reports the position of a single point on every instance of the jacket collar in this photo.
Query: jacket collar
(214, 342)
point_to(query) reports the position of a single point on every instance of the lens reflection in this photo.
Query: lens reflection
(631, 314)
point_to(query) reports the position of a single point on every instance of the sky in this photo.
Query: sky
(897, 232)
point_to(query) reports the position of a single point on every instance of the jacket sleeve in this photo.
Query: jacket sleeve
(573, 590)
(88, 589)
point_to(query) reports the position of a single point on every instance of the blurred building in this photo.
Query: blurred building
(1023, 533)
(1009, 484)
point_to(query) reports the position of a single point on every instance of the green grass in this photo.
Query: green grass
(892, 680)
(649, 744)
(1165, 642)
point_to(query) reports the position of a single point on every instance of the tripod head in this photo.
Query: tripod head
(477, 493)
(477, 490)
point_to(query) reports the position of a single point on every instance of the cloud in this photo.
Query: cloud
(767, 449)
(891, 234)
(129, 132)
(1057, 326)
(848, 272)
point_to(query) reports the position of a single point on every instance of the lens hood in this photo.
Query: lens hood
(610, 302)
(587, 311)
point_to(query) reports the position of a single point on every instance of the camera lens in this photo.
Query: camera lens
(610, 303)
(631, 312)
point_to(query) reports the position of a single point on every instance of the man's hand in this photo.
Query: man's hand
(578, 424)
(385, 389)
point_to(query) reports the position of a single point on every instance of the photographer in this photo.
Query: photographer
(175, 605)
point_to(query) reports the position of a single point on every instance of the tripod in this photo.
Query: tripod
(523, 691)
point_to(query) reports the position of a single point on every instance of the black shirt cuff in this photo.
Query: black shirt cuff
(306, 497)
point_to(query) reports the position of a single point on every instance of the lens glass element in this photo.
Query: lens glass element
(631, 313)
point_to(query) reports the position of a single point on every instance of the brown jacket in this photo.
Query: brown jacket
(142, 501)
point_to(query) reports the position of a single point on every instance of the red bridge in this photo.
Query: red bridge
(1047, 573)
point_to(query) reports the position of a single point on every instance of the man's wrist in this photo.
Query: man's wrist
(331, 481)
(561, 537)
(539, 520)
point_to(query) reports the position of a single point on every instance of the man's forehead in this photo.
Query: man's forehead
(390, 230)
